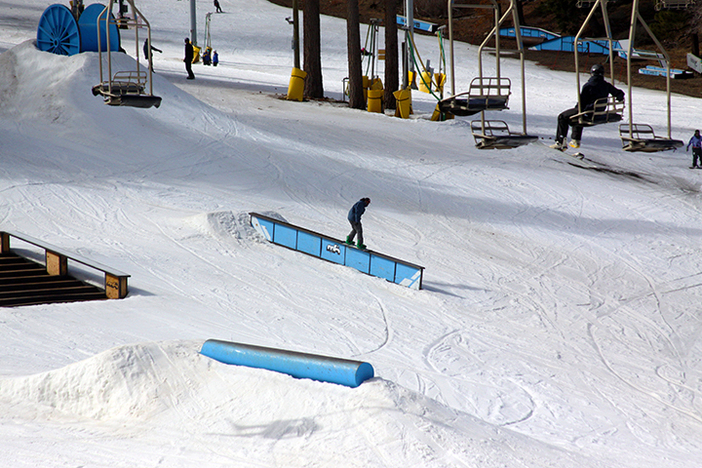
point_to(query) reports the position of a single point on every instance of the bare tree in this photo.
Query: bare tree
(392, 78)
(312, 54)
(353, 44)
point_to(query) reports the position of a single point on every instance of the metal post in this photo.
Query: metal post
(450, 28)
(575, 46)
(296, 33)
(409, 14)
(630, 49)
(193, 22)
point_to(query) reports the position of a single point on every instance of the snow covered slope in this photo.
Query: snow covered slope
(559, 325)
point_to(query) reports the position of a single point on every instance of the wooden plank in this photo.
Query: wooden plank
(71, 255)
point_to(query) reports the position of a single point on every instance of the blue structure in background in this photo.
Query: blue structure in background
(556, 42)
(336, 251)
(299, 365)
(528, 32)
(418, 24)
(567, 44)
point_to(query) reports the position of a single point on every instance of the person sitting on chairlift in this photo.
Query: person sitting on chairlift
(595, 88)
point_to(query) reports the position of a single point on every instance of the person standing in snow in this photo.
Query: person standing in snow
(595, 88)
(147, 51)
(189, 54)
(218, 8)
(696, 142)
(354, 218)
(215, 58)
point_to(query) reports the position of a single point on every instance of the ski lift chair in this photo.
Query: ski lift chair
(484, 94)
(605, 110)
(673, 4)
(640, 137)
(126, 88)
(495, 134)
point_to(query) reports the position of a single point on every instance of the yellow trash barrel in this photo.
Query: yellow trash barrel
(403, 108)
(375, 100)
(296, 88)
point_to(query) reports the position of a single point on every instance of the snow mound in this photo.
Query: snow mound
(173, 383)
(133, 381)
(225, 225)
(25, 72)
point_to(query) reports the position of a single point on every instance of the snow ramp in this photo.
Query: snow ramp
(131, 394)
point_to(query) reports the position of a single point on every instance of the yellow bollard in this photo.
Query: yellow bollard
(296, 88)
(403, 108)
(375, 100)
(439, 116)
(425, 83)
(196, 52)
(439, 80)
(411, 79)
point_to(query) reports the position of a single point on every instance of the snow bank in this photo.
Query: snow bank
(170, 382)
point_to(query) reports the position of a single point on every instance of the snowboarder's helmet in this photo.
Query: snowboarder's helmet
(597, 69)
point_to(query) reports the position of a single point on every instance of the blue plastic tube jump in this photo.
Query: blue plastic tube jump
(299, 365)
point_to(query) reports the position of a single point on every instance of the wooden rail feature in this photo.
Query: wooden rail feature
(57, 263)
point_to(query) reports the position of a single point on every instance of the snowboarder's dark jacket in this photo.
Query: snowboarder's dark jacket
(357, 211)
(189, 52)
(597, 88)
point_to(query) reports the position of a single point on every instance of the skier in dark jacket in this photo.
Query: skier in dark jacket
(189, 55)
(354, 217)
(595, 88)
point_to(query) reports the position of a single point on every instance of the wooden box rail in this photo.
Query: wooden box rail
(57, 263)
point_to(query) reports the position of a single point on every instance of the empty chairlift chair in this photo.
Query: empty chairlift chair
(640, 137)
(132, 88)
(484, 94)
(495, 134)
(488, 93)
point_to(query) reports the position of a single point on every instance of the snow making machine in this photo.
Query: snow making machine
(69, 31)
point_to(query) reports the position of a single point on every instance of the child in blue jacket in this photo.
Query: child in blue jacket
(696, 142)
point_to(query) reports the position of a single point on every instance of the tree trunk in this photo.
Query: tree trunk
(314, 87)
(520, 12)
(353, 43)
(392, 79)
(695, 44)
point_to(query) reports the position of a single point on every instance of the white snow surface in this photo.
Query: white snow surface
(559, 324)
